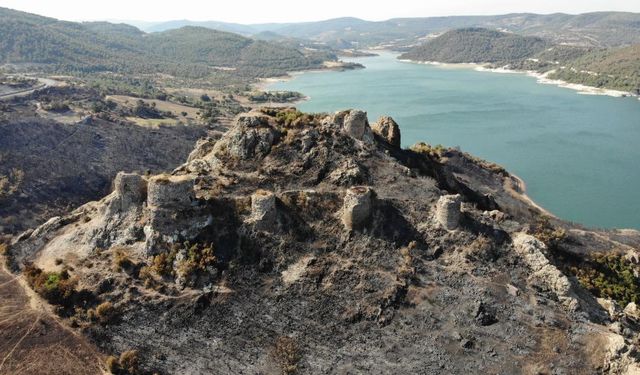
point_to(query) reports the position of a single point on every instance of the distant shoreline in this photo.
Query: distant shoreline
(542, 78)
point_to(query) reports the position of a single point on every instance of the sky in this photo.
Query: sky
(262, 11)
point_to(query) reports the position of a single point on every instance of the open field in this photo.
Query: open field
(162, 105)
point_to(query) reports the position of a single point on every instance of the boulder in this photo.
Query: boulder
(632, 311)
(609, 306)
(632, 256)
(356, 125)
(448, 211)
(171, 191)
(357, 207)
(387, 129)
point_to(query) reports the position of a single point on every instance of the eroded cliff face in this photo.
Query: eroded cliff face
(313, 243)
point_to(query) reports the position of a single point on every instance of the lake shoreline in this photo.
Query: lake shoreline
(542, 78)
(430, 99)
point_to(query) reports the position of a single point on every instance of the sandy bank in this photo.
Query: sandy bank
(542, 78)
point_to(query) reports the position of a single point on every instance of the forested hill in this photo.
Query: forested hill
(476, 45)
(616, 68)
(613, 68)
(100, 46)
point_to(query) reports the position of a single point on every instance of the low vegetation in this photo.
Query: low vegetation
(275, 96)
(186, 259)
(551, 236)
(426, 149)
(56, 106)
(103, 313)
(127, 364)
(56, 287)
(10, 183)
(286, 353)
(609, 276)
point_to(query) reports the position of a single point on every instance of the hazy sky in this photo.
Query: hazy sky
(255, 11)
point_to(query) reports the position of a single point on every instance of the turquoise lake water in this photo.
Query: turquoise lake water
(578, 154)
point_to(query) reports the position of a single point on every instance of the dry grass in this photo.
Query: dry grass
(161, 105)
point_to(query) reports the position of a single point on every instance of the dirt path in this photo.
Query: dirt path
(44, 83)
(33, 341)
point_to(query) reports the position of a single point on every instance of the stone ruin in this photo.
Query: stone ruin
(263, 210)
(388, 130)
(131, 190)
(357, 207)
(448, 211)
(170, 191)
(168, 196)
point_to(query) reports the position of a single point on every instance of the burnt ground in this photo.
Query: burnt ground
(64, 165)
(398, 295)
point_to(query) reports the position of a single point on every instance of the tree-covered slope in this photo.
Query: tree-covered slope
(99, 46)
(476, 45)
(617, 68)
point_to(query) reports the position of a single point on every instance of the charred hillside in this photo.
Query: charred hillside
(302, 243)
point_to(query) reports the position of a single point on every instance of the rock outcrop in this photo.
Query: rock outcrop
(388, 130)
(533, 252)
(252, 137)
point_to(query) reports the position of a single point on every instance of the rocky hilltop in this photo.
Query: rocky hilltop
(302, 243)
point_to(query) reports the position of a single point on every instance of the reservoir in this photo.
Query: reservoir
(578, 154)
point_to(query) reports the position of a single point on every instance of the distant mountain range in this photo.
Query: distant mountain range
(600, 29)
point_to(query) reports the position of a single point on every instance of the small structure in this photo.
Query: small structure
(263, 209)
(357, 207)
(388, 129)
(170, 191)
(448, 211)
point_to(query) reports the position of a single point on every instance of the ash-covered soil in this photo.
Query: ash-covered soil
(50, 167)
(313, 244)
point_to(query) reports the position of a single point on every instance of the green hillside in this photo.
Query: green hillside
(476, 45)
(191, 52)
